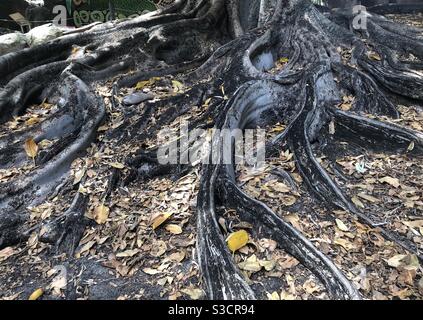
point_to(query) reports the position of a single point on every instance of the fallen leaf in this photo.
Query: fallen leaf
(117, 165)
(36, 294)
(268, 265)
(7, 252)
(237, 240)
(347, 245)
(374, 56)
(357, 202)
(288, 263)
(87, 246)
(101, 213)
(193, 293)
(311, 287)
(288, 200)
(273, 296)
(159, 248)
(413, 224)
(177, 86)
(368, 197)
(251, 264)
(78, 176)
(151, 271)
(142, 84)
(395, 261)
(59, 282)
(158, 220)
(341, 225)
(31, 148)
(177, 256)
(127, 253)
(173, 228)
(294, 220)
(392, 181)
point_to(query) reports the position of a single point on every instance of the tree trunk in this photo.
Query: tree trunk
(214, 45)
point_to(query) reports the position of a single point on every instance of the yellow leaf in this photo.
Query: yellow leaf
(101, 213)
(237, 240)
(140, 85)
(31, 148)
(283, 60)
(32, 121)
(341, 226)
(159, 219)
(207, 102)
(177, 86)
(36, 294)
(273, 296)
(173, 228)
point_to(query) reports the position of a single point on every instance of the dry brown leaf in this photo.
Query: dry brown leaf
(288, 200)
(294, 220)
(311, 287)
(159, 248)
(158, 219)
(392, 181)
(395, 261)
(101, 214)
(173, 228)
(31, 148)
(341, 225)
(127, 253)
(368, 197)
(251, 264)
(7, 252)
(151, 271)
(288, 263)
(193, 293)
(177, 256)
(268, 265)
(357, 202)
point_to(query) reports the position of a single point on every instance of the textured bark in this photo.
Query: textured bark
(214, 42)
